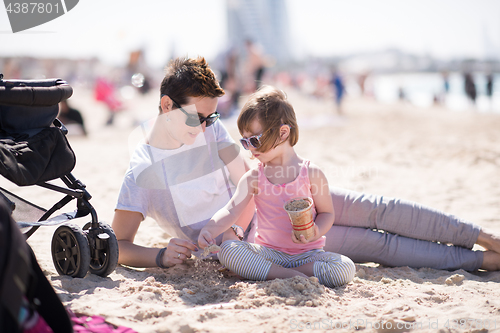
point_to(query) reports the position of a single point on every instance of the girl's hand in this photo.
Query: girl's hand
(303, 240)
(205, 239)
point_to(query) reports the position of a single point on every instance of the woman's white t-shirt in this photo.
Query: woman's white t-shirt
(181, 189)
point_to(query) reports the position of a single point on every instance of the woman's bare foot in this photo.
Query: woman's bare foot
(491, 261)
(489, 241)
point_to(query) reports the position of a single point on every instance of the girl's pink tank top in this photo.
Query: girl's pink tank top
(274, 229)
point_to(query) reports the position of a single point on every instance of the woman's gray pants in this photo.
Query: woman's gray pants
(394, 232)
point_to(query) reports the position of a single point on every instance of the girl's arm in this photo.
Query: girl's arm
(227, 216)
(323, 202)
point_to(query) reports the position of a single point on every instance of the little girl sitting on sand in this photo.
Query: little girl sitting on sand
(269, 128)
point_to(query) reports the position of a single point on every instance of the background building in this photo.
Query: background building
(265, 22)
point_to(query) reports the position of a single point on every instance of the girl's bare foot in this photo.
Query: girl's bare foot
(491, 261)
(489, 241)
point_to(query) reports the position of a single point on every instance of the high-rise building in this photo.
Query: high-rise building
(265, 22)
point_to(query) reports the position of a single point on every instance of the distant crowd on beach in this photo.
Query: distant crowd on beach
(241, 71)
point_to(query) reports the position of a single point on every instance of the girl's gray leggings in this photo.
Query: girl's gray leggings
(394, 232)
(253, 261)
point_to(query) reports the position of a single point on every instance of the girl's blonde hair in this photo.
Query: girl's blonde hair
(271, 108)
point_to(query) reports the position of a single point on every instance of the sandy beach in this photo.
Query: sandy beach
(447, 160)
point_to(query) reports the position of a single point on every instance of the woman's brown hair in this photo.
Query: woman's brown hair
(189, 77)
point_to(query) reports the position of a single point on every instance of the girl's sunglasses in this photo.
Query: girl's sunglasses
(253, 141)
(195, 120)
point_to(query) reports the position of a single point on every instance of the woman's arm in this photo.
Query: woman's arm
(125, 225)
(323, 202)
(230, 214)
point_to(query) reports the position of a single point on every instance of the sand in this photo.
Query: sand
(448, 160)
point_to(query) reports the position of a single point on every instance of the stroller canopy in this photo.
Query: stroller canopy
(31, 149)
(27, 106)
(34, 92)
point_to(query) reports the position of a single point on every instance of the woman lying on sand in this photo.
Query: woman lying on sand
(185, 170)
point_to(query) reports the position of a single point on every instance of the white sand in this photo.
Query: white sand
(448, 160)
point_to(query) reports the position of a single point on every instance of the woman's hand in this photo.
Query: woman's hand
(205, 238)
(303, 240)
(178, 250)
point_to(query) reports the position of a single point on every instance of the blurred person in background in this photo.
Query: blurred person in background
(362, 82)
(69, 115)
(402, 94)
(255, 64)
(339, 89)
(446, 81)
(441, 98)
(227, 65)
(104, 91)
(470, 88)
(489, 85)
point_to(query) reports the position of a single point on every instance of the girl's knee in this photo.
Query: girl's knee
(349, 267)
(241, 258)
(229, 249)
(231, 245)
(335, 273)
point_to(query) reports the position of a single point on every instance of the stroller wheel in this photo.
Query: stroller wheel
(104, 249)
(70, 251)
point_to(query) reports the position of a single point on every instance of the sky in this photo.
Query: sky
(110, 29)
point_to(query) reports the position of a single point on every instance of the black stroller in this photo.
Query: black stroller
(33, 151)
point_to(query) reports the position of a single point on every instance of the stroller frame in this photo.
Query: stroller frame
(75, 251)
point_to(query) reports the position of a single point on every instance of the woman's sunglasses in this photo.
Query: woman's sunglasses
(253, 141)
(195, 120)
